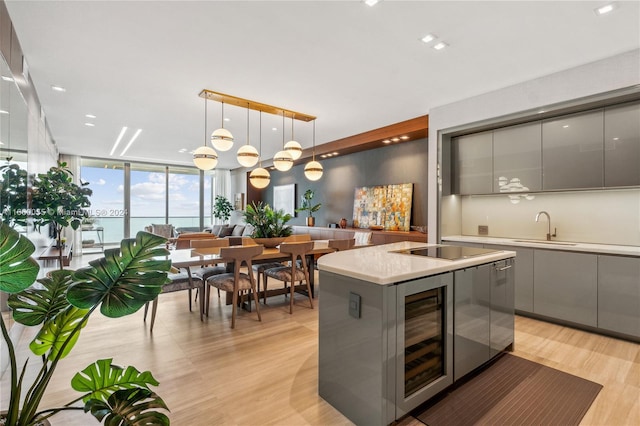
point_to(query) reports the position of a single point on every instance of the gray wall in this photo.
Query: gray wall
(405, 162)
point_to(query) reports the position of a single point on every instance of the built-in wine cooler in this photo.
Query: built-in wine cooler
(424, 340)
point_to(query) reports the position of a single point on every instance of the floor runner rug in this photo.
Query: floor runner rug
(513, 391)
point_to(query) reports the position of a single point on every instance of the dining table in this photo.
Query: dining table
(187, 258)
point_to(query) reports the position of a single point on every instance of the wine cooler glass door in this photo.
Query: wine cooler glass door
(424, 350)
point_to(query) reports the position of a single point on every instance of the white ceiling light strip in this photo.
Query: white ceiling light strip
(135, 136)
(115, 145)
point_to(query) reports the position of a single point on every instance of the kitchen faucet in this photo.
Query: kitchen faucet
(549, 235)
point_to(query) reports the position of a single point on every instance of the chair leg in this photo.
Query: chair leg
(306, 278)
(189, 300)
(292, 290)
(255, 298)
(146, 308)
(264, 281)
(154, 309)
(208, 293)
(233, 309)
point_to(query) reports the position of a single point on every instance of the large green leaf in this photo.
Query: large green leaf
(129, 407)
(125, 279)
(17, 269)
(56, 331)
(101, 379)
(38, 304)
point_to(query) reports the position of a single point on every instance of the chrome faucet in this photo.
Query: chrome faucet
(549, 234)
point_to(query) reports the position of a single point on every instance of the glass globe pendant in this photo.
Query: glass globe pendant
(313, 170)
(293, 147)
(222, 139)
(259, 178)
(205, 158)
(247, 155)
(282, 161)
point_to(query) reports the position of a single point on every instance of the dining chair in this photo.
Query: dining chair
(236, 281)
(295, 271)
(362, 238)
(205, 272)
(342, 244)
(180, 280)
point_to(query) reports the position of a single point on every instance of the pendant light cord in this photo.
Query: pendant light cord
(205, 120)
(247, 123)
(260, 132)
(314, 140)
(222, 118)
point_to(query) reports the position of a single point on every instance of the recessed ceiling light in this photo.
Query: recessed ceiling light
(404, 138)
(89, 124)
(395, 139)
(58, 88)
(7, 78)
(428, 38)
(616, 139)
(335, 153)
(565, 126)
(2, 111)
(386, 141)
(439, 46)
(541, 111)
(371, 3)
(226, 119)
(135, 136)
(603, 10)
(117, 142)
(90, 116)
(182, 150)
(274, 128)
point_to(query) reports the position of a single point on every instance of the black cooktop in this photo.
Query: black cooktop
(448, 252)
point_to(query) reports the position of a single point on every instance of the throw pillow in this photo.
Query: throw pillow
(237, 231)
(226, 231)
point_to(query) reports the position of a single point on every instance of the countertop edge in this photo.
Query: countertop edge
(620, 250)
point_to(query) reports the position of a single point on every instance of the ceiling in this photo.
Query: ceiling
(142, 64)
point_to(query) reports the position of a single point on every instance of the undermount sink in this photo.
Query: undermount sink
(557, 243)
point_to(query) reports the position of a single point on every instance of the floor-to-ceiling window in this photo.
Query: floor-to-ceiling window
(184, 197)
(106, 180)
(148, 196)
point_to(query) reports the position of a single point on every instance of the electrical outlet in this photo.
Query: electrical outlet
(483, 230)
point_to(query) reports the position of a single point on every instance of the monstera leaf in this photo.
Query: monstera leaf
(18, 270)
(128, 408)
(57, 331)
(125, 279)
(36, 305)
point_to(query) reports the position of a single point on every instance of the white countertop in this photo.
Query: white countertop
(379, 265)
(548, 245)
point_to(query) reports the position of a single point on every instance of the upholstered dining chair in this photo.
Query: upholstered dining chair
(362, 238)
(180, 280)
(205, 272)
(236, 281)
(295, 271)
(342, 244)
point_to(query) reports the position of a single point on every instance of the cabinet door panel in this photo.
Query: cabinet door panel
(502, 302)
(473, 163)
(565, 286)
(572, 151)
(523, 276)
(471, 319)
(622, 145)
(517, 154)
(619, 294)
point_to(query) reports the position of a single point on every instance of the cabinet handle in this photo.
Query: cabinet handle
(504, 268)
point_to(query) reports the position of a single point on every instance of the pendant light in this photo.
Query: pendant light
(293, 147)
(313, 169)
(282, 160)
(222, 139)
(259, 177)
(205, 158)
(247, 155)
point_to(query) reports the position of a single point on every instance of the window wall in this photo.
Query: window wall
(131, 196)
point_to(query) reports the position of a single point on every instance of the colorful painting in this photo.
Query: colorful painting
(384, 206)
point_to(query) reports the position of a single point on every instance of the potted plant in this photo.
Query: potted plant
(269, 226)
(58, 202)
(119, 284)
(222, 208)
(13, 194)
(309, 207)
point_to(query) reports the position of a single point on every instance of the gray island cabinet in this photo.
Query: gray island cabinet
(396, 328)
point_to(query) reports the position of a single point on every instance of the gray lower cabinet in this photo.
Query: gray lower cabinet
(566, 286)
(523, 276)
(619, 294)
(483, 314)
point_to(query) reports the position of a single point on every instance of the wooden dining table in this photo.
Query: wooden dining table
(187, 258)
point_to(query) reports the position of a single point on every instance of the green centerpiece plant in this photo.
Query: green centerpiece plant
(309, 207)
(269, 226)
(60, 304)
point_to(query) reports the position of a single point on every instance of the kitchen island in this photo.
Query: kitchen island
(397, 325)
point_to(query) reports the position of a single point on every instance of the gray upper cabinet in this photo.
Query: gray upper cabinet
(622, 145)
(473, 166)
(573, 150)
(517, 154)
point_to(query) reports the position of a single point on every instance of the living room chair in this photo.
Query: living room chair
(179, 281)
(236, 281)
(295, 271)
(362, 239)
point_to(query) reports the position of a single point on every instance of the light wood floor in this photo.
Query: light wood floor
(266, 372)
